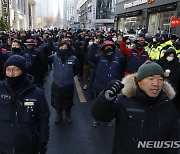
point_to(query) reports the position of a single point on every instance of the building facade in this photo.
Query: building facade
(96, 14)
(20, 14)
(68, 13)
(153, 14)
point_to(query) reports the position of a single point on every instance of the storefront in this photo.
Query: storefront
(153, 14)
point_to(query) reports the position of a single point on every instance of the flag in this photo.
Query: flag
(174, 22)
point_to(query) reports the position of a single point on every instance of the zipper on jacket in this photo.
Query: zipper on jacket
(62, 75)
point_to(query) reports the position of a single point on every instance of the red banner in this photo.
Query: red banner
(174, 22)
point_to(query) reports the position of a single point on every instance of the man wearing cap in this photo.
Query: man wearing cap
(143, 111)
(108, 67)
(135, 56)
(36, 69)
(24, 112)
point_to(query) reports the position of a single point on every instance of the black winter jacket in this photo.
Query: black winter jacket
(24, 119)
(173, 79)
(137, 121)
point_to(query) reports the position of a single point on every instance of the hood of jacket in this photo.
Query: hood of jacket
(130, 87)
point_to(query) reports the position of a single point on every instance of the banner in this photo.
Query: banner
(174, 22)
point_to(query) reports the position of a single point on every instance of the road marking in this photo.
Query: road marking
(79, 90)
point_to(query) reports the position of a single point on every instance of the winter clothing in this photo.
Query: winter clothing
(108, 43)
(173, 78)
(135, 58)
(92, 52)
(62, 97)
(68, 70)
(24, 118)
(148, 69)
(23, 54)
(107, 70)
(37, 66)
(17, 61)
(64, 71)
(139, 118)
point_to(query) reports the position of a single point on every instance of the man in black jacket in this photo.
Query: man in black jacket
(143, 111)
(24, 112)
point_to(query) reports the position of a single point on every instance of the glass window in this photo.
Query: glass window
(119, 1)
(159, 20)
(125, 24)
(105, 9)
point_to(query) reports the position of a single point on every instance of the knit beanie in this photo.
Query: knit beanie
(147, 69)
(17, 61)
(169, 51)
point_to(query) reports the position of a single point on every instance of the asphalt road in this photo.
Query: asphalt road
(80, 137)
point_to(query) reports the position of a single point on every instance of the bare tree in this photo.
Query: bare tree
(48, 21)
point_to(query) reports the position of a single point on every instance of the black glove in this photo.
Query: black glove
(42, 149)
(125, 38)
(113, 88)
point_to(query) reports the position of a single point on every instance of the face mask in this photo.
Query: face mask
(114, 39)
(63, 52)
(154, 40)
(108, 52)
(139, 46)
(90, 43)
(169, 58)
(16, 50)
(14, 81)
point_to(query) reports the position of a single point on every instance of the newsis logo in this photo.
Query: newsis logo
(159, 144)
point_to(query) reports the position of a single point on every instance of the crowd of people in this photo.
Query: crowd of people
(145, 72)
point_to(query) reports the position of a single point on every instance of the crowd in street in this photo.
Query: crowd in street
(135, 81)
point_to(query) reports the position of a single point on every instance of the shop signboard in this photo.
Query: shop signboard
(174, 22)
(137, 3)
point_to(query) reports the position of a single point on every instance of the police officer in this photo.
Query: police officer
(24, 112)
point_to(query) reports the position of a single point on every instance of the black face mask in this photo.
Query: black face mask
(139, 46)
(16, 50)
(63, 52)
(16, 81)
(108, 52)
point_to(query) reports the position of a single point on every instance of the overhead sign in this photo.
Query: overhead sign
(137, 3)
(174, 22)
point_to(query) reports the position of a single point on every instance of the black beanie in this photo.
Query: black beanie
(17, 61)
(147, 69)
(169, 51)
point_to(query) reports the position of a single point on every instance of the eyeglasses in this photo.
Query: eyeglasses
(14, 70)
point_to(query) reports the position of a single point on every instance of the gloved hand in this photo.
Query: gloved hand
(113, 88)
(42, 149)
